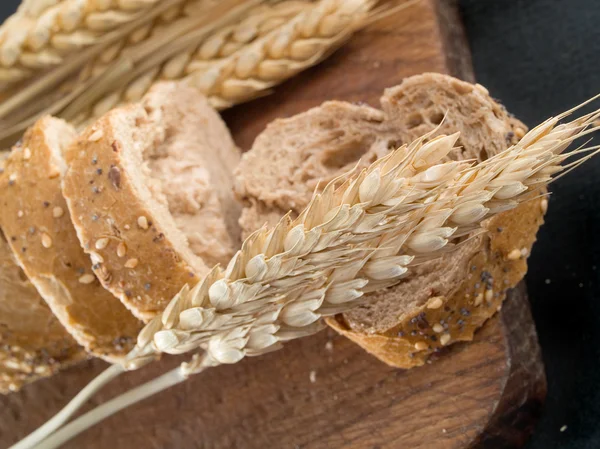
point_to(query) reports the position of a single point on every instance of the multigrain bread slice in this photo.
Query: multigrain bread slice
(441, 301)
(41, 235)
(447, 305)
(33, 344)
(149, 188)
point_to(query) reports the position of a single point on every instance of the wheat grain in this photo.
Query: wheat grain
(220, 44)
(241, 62)
(361, 233)
(24, 106)
(44, 33)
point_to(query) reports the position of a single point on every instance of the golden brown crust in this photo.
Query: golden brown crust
(33, 344)
(498, 265)
(41, 235)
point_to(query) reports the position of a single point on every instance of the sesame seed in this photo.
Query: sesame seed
(96, 136)
(313, 376)
(46, 240)
(121, 249)
(435, 302)
(102, 243)
(445, 339)
(131, 263)
(20, 214)
(329, 346)
(478, 299)
(12, 178)
(26, 154)
(142, 222)
(127, 227)
(57, 212)
(499, 308)
(87, 278)
(563, 428)
(438, 328)
(96, 258)
(524, 252)
(515, 254)
(489, 295)
(421, 346)
(544, 205)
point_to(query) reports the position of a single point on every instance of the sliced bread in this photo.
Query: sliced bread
(33, 344)
(41, 235)
(149, 188)
(294, 156)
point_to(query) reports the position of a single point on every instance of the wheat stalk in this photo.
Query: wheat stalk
(360, 234)
(239, 63)
(222, 43)
(44, 33)
(148, 54)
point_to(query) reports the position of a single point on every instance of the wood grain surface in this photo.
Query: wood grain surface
(324, 391)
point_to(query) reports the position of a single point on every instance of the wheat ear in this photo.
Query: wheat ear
(230, 76)
(361, 233)
(220, 44)
(33, 42)
(147, 56)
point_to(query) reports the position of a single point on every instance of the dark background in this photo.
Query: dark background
(540, 57)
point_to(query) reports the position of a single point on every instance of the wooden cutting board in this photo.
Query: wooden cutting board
(323, 391)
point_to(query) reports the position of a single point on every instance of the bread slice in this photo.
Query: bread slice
(33, 344)
(149, 188)
(41, 235)
(294, 156)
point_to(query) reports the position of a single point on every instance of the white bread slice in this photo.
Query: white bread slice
(149, 188)
(295, 155)
(41, 235)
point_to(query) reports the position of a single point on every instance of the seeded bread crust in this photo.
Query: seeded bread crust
(33, 344)
(38, 228)
(294, 156)
(145, 259)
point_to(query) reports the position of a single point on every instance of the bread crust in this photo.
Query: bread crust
(144, 262)
(41, 235)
